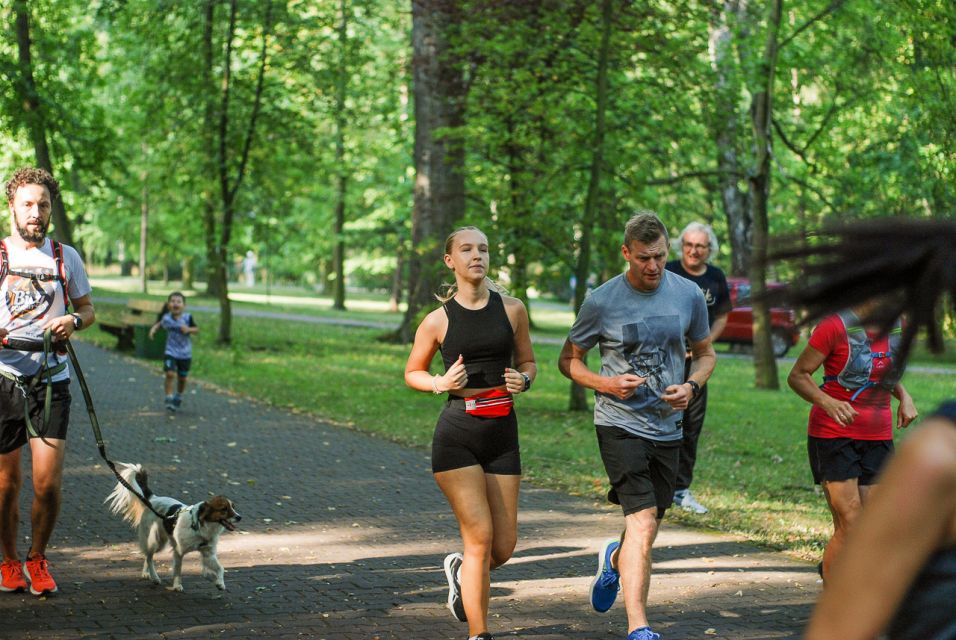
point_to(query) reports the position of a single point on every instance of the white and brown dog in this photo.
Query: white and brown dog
(185, 528)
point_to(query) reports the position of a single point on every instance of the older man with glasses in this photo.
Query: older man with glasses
(697, 243)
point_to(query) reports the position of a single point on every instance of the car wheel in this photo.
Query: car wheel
(780, 343)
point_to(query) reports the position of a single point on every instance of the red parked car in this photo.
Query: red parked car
(739, 329)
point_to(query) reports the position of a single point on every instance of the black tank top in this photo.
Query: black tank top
(484, 337)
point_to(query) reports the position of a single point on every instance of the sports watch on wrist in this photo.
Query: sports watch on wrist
(527, 381)
(77, 321)
(694, 388)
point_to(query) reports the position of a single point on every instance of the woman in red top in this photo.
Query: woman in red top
(850, 430)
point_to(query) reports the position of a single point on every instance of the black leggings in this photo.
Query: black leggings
(464, 440)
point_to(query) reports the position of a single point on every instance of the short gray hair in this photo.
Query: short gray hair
(695, 227)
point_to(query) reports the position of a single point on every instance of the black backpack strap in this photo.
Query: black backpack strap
(4, 262)
(59, 266)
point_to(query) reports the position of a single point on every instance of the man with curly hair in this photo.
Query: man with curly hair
(39, 278)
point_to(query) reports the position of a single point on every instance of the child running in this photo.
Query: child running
(179, 326)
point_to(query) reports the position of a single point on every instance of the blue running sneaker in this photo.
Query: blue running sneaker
(643, 633)
(607, 582)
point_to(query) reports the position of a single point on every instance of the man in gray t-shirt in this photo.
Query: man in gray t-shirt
(640, 319)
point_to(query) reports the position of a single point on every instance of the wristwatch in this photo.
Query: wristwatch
(694, 388)
(527, 381)
(77, 321)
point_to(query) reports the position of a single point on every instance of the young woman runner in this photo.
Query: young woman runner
(486, 350)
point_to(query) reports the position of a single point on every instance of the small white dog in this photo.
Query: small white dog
(185, 528)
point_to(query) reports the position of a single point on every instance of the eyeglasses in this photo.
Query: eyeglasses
(699, 247)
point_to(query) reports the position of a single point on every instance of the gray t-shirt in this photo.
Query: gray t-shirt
(179, 345)
(643, 334)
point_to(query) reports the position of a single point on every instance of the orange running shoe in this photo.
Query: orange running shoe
(37, 569)
(13, 580)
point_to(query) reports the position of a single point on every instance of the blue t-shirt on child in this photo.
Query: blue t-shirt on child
(179, 345)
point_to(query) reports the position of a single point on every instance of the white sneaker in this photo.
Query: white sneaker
(686, 501)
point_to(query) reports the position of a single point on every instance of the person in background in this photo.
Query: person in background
(896, 573)
(178, 355)
(697, 243)
(486, 349)
(850, 429)
(641, 320)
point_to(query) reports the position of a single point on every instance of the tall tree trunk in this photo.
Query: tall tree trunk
(725, 126)
(338, 252)
(761, 111)
(439, 193)
(143, 237)
(35, 115)
(209, 143)
(228, 185)
(578, 398)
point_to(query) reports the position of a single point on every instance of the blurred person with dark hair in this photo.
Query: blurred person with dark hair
(897, 570)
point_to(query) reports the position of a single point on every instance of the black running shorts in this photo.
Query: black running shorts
(463, 440)
(836, 459)
(13, 426)
(642, 472)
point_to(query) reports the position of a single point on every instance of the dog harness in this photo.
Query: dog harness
(859, 363)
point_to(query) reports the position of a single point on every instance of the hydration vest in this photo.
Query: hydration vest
(859, 363)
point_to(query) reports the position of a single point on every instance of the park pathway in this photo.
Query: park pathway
(343, 536)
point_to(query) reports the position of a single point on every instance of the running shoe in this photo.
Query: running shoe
(170, 405)
(484, 636)
(686, 501)
(177, 401)
(13, 580)
(643, 633)
(607, 581)
(38, 571)
(452, 568)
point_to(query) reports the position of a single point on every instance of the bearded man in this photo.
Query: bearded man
(39, 278)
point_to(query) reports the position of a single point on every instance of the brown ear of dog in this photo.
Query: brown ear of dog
(218, 509)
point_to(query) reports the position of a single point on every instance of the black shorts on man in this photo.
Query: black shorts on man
(642, 472)
(838, 459)
(463, 440)
(13, 425)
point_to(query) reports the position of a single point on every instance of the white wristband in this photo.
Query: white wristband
(435, 385)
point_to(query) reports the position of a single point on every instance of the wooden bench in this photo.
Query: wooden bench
(138, 313)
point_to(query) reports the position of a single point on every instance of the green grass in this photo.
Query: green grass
(752, 469)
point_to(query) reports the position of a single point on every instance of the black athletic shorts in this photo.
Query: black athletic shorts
(642, 472)
(179, 365)
(13, 425)
(836, 459)
(463, 440)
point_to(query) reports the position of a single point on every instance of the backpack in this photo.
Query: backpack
(859, 363)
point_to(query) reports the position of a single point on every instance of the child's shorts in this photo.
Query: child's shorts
(179, 365)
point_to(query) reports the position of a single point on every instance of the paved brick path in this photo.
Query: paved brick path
(343, 537)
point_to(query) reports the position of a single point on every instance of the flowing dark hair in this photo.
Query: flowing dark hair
(905, 265)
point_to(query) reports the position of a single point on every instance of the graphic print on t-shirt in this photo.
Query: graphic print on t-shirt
(644, 344)
(29, 294)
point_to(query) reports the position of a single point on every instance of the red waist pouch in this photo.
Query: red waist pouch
(494, 403)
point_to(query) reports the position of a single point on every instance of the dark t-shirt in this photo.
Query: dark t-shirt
(714, 285)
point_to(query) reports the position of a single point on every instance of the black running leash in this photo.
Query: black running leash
(46, 345)
(88, 398)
